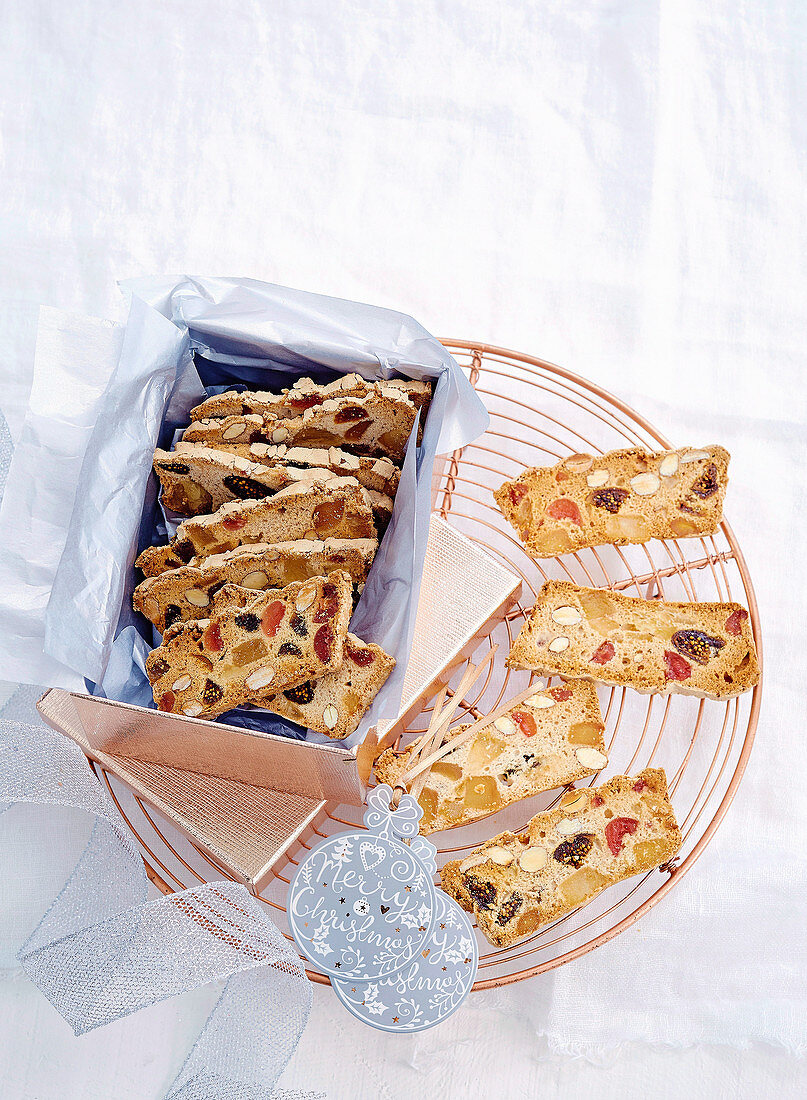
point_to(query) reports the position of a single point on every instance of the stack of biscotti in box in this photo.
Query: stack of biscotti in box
(285, 497)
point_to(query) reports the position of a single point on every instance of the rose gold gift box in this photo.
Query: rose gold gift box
(244, 796)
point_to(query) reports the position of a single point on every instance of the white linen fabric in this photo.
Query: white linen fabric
(617, 186)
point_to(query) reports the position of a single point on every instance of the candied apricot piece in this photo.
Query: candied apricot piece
(650, 851)
(633, 528)
(392, 441)
(329, 604)
(580, 886)
(427, 800)
(361, 657)
(167, 700)
(485, 748)
(253, 650)
(482, 793)
(554, 542)
(596, 605)
(328, 515)
(585, 733)
(447, 769)
(560, 694)
(517, 493)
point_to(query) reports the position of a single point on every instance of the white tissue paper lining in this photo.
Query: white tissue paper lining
(81, 501)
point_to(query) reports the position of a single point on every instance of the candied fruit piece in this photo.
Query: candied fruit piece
(173, 614)
(734, 623)
(329, 604)
(596, 605)
(632, 528)
(483, 893)
(554, 542)
(184, 550)
(447, 769)
(482, 793)
(610, 499)
(157, 669)
(682, 528)
(233, 523)
(211, 693)
(301, 694)
(676, 668)
(354, 703)
(328, 516)
(616, 830)
(253, 650)
(525, 722)
(563, 508)
(272, 618)
(167, 700)
(650, 852)
(639, 785)
(427, 800)
(580, 886)
(603, 654)
(585, 733)
(560, 694)
(596, 801)
(212, 637)
(289, 649)
(509, 909)
(707, 484)
(299, 625)
(517, 493)
(357, 430)
(695, 644)
(392, 441)
(323, 643)
(361, 657)
(574, 851)
(300, 404)
(485, 748)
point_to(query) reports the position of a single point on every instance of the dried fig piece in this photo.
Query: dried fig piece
(696, 645)
(573, 852)
(610, 499)
(707, 484)
(510, 908)
(246, 488)
(302, 694)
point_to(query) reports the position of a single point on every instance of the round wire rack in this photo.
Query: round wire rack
(540, 413)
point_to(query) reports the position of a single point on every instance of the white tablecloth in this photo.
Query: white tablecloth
(616, 186)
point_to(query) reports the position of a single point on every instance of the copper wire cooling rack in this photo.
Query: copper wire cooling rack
(539, 413)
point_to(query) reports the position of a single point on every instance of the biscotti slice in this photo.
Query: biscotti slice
(243, 654)
(306, 394)
(703, 649)
(379, 424)
(621, 497)
(197, 480)
(337, 509)
(336, 703)
(179, 595)
(379, 474)
(594, 838)
(550, 739)
(155, 560)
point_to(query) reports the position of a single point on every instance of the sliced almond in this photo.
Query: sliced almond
(306, 596)
(694, 456)
(644, 485)
(256, 579)
(566, 615)
(557, 645)
(591, 758)
(598, 478)
(279, 434)
(193, 711)
(197, 597)
(568, 826)
(540, 702)
(669, 465)
(471, 861)
(574, 801)
(499, 855)
(330, 716)
(233, 431)
(505, 724)
(182, 683)
(259, 678)
(151, 609)
(578, 463)
(533, 859)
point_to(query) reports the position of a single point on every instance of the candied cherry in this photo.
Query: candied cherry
(361, 657)
(603, 654)
(329, 604)
(525, 722)
(676, 668)
(616, 830)
(639, 785)
(517, 493)
(233, 523)
(565, 509)
(212, 638)
(734, 623)
(272, 618)
(323, 643)
(167, 700)
(560, 694)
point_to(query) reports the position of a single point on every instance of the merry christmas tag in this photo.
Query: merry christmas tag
(362, 904)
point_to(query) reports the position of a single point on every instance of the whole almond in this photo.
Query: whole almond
(568, 826)
(197, 597)
(598, 479)
(591, 758)
(669, 465)
(578, 463)
(279, 434)
(499, 855)
(233, 431)
(256, 579)
(330, 716)
(694, 456)
(504, 724)
(540, 702)
(559, 644)
(306, 596)
(194, 710)
(566, 615)
(259, 678)
(471, 861)
(533, 859)
(182, 683)
(644, 485)
(573, 801)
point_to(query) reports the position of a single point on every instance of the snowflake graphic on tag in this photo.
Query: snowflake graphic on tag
(427, 991)
(361, 905)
